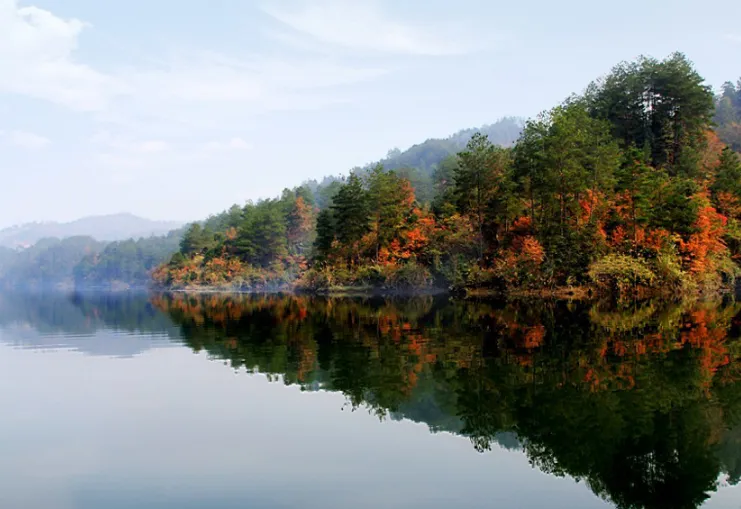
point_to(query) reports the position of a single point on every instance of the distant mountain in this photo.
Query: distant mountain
(419, 162)
(427, 155)
(103, 228)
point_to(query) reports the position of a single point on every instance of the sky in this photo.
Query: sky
(176, 109)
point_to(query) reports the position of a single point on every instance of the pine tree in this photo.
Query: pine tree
(390, 198)
(350, 210)
(728, 174)
(663, 105)
(325, 234)
(479, 174)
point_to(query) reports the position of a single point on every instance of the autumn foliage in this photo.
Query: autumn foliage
(594, 193)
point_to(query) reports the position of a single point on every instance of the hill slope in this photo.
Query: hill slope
(103, 228)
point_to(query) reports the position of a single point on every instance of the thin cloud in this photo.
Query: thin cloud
(235, 143)
(23, 139)
(361, 25)
(733, 38)
(37, 59)
(111, 143)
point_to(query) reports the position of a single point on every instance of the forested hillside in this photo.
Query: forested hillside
(421, 163)
(623, 188)
(84, 262)
(128, 262)
(728, 115)
(47, 264)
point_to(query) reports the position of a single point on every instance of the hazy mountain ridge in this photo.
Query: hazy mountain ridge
(419, 162)
(106, 228)
(427, 155)
(121, 249)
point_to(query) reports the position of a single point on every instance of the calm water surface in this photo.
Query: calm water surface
(136, 401)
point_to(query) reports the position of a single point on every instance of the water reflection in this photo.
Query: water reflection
(116, 325)
(643, 402)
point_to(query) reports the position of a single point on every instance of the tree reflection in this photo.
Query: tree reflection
(641, 402)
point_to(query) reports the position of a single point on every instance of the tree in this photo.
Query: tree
(390, 198)
(196, 240)
(661, 105)
(300, 227)
(325, 234)
(479, 174)
(560, 157)
(637, 185)
(444, 203)
(350, 210)
(728, 115)
(728, 174)
(266, 232)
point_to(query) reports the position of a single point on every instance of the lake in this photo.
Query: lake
(218, 401)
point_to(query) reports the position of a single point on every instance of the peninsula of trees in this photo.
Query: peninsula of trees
(633, 185)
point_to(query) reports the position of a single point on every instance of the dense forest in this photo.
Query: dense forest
(632, 186)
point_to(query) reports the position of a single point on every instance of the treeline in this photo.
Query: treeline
(83, 262)
(626, 187)
(262, 245)
(127, 262)
(47, 264)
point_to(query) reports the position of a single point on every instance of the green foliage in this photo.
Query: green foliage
(661, 105)
(128, 262)
(478, 177)
(409, 276)
(325, 234)
(387, 209)
(197, 240)
(674, 208)
(626, 177)
(670, 276)
(351, 211)
(48, 263)
(261, 238)
(649, 391)
(621, 273)
(559, 157)
(728, 174)
(728, 115)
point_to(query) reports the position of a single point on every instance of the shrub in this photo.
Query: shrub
(669, 273)
(371, 275)
(479, 277)
(410, 275)
(621, 273)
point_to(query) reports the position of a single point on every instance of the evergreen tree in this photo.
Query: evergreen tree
(560, 157)
(728, 174)
(196, 240)
(479, 174)
(663, 105)
(325, 234)
(390, 198)
(350, 209)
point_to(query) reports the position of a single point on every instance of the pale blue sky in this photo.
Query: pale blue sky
(177, 109)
